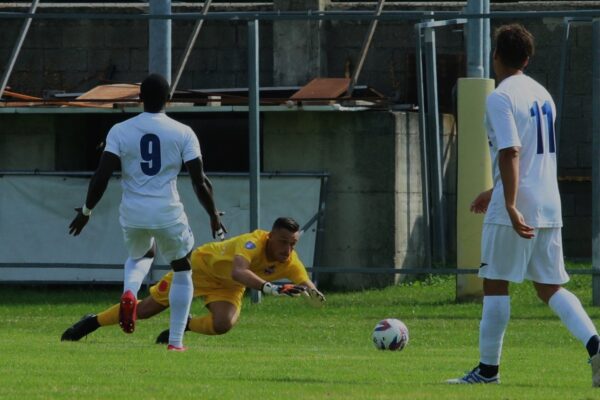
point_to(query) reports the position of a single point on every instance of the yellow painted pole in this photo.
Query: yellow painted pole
(474, 175)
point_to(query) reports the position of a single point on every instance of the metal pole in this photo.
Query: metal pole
(487, 41)
(475, 67)
(596, 161)
(159, 52)
(320, 236)
(439, 243)
(254, 117)
(17, 48)
(188, 47)
(309, 15)
(564, 59)
(424, 147)
(365, 47)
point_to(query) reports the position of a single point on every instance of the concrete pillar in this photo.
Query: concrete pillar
(297, 45)
(159, 48)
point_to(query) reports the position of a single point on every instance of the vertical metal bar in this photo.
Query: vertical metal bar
(439, 243)
(320, 236)
(564, 59)
(487, 41)
(474, 40)
(596, 161)
(365, 47)
(254, 119)
(188, 47)
(424, 146)
(254, 128)
(159, 52)
(17, 48)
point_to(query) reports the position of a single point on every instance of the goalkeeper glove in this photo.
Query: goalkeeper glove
(282, 290)
(315, 298)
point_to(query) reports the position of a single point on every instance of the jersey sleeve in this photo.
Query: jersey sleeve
(501, 119)
(191, 149)
(112, 141)
(247, 248)
(296, 272)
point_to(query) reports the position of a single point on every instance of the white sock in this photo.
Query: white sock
(568, 307)
(494, 320)
(180, 300)
(135, 272)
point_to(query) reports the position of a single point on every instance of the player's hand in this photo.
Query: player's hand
(314, 297)
(518, 223)
(282, 290)
(218, 229)
(78, 223)
(481, 202)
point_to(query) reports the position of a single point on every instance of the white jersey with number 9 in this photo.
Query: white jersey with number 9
(152, 148)
(520, 113)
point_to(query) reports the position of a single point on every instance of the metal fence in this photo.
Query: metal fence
(425, 24)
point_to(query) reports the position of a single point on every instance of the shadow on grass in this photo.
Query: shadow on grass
(63, 294)
(288, 379)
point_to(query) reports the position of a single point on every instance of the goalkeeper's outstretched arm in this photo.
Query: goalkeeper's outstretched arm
(241, 273)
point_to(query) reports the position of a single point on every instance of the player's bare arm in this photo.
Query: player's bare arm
(481, 202)
(208, 184)
(241, 273)
(508, 163)
(203, 189)
(108, 163)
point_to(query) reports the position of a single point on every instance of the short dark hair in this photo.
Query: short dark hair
(514, 45)
(286, 223)
(154, 92)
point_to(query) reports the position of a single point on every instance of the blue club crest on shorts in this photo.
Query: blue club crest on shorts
(250, 245)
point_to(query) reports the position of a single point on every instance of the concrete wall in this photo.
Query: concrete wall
(373, 215)
(27, 143)
(374, 209)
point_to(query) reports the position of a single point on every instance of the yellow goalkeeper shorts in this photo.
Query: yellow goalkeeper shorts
(208, 288)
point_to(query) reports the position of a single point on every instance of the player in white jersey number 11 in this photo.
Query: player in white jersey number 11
(521, 236)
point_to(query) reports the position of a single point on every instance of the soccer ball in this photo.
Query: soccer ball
(390, 334)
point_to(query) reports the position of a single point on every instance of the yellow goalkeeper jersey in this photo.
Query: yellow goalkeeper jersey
(215, 259)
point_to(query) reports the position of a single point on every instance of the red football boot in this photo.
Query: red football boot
(127, 312)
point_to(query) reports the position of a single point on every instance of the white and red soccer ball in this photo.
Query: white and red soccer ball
(390, 334)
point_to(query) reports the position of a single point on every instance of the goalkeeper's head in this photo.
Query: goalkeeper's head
(154, 92)
(283, 238)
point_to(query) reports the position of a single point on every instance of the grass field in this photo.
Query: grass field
(282, 349)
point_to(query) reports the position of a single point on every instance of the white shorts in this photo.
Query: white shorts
(507, 256)
(173, 242)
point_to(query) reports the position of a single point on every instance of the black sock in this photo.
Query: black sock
(488, 371)
(593, 345)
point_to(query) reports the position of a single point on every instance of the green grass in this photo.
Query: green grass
(282, 349)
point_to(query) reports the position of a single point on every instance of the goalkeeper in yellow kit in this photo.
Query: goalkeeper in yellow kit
(221, 272)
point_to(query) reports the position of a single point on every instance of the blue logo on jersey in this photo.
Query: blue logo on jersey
(250, 245)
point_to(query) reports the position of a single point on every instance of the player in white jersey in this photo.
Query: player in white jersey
(521, 236)
(151, 148)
